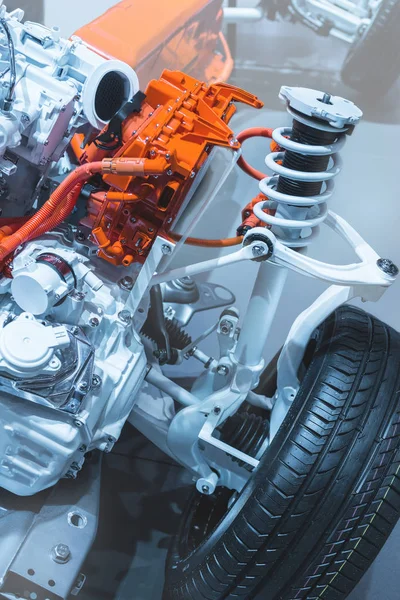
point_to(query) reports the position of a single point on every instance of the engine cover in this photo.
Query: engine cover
(69, 375)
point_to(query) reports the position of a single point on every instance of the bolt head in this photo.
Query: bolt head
(223, 370)
(167, 250)
(258, 251)
(94, 322)
(126, 283)
(125, 316)
(205, 489)
(80, 236)
(96, 381)
(217, 410)
(388, 267)
(226, 327)
(61, 553)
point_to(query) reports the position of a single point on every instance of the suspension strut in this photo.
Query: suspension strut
(306, 165)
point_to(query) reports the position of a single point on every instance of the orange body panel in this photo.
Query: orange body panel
(154, 35)
(179, 123)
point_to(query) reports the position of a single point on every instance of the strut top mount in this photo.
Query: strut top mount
(338, 112)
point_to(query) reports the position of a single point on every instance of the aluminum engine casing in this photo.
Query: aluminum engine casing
(43, 440)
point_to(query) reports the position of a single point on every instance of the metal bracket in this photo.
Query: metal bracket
(49, 561)
(183, 298)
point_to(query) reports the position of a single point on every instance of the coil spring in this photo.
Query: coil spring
(246, 432)
(301, 170)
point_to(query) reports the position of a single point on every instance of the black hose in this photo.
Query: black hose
(13, 70)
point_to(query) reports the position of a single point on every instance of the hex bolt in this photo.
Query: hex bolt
(387, 266)
(96, 381)
(258, 250)
(217, 410)
(80, 236)
(126, 283)
(223, 370)
(226, 327)
(94, 322)
(61, 553)
(166, 249)
(125, 316)
(83, 386)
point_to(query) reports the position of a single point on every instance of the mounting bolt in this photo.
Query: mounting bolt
(217, 410)
(126, 283)
(96, 382)
(125, 316)
(223, 370)
(388, 266)
(226, 327)
(78, 423)
(94, 322)
(205, 489)
(61, 553)
(80, 236)
(258, 251)
(166, 249)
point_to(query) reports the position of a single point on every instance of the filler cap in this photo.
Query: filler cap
(338, 112)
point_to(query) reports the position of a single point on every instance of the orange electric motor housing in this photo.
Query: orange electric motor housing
(151, 36)
(175, 125)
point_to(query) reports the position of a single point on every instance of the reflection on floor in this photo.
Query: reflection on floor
(143, 494)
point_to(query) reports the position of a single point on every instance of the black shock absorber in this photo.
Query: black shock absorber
(303, 133)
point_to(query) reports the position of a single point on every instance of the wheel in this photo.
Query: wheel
(373, 64)
(326, 494)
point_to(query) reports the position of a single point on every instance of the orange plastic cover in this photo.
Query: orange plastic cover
(133, 30)
(179, 123)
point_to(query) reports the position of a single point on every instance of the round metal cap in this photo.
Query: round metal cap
(338, 112)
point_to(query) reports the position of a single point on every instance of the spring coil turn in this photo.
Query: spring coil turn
(303, 181)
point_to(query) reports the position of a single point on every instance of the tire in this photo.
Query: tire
(373, 63)
(326, 495)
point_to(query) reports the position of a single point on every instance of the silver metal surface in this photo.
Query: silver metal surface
(42, 558)
(183, 298)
